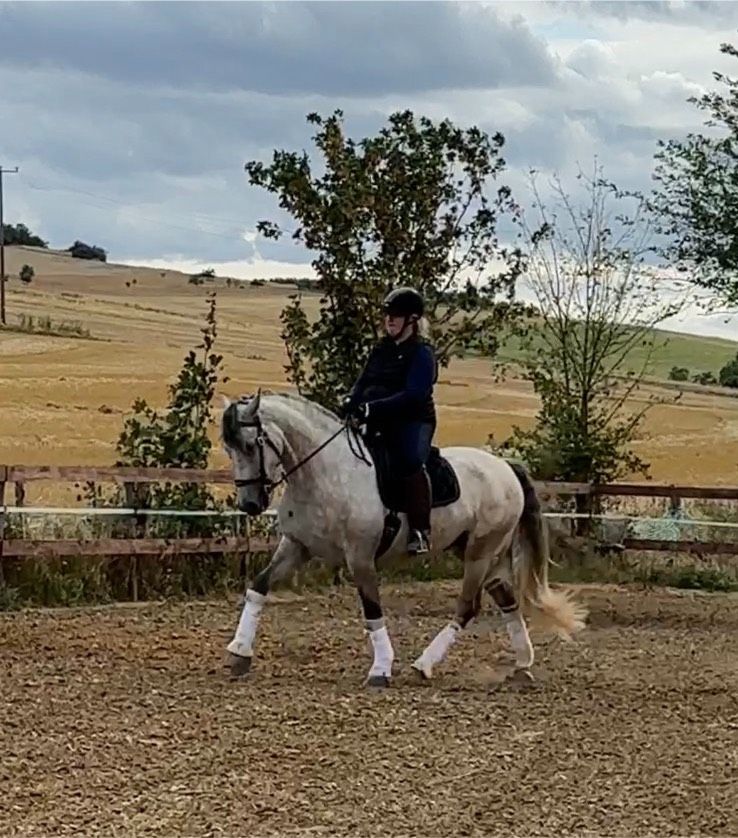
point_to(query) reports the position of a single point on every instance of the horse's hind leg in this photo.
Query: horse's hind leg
(468, 605)
(502, 593)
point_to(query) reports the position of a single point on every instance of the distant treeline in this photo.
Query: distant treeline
(19, 234)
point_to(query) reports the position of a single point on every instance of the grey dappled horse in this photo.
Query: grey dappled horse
(331, 510)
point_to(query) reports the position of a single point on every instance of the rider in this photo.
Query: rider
(394, 395)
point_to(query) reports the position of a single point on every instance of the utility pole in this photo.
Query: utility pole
(2, 244)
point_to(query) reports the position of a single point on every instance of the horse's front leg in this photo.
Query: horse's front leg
(288, 555)
(367, 585)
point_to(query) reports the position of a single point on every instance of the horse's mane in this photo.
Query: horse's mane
(307, 404)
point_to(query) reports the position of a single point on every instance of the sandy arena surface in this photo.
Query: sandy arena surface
(122, 721)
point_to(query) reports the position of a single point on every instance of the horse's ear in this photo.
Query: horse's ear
(253, 405)
(226, 401)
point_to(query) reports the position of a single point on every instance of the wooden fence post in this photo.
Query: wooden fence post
(137, 526)
(3, 478)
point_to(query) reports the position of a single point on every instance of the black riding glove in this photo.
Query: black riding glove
(344, 408)
(358, 415)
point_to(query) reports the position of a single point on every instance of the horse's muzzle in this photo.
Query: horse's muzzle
(250, 507)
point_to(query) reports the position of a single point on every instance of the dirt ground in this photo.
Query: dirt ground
(122, 721)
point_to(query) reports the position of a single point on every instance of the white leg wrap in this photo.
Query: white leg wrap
(384, 654)
(437, 649)
(242, 643)
(517, 631)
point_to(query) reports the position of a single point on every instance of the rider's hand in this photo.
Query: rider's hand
(344, 408)
(358, 415)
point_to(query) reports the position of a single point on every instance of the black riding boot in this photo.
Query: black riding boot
(418, 496)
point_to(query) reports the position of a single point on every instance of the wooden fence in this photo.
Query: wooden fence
(19, 476)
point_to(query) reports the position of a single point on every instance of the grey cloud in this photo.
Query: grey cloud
(172, 162)
(163, 137)
(358, 48)
(705, 13)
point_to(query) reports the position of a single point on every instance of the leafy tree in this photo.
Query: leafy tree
(26, 274)
(410, 205)
(20, 234)
(696, 198)
(598, 303)
(728, 375)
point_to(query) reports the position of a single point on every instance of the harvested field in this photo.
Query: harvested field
(65, 398)
(122, 721)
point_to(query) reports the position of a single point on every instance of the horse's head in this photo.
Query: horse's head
(255, 455)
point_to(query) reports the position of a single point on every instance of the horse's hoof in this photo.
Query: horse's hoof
(380, 681)
(424, 670)
(240, 666)
(522, 678)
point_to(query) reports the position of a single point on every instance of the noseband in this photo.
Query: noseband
(262, 439)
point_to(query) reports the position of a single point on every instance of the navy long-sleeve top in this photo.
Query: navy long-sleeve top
(397, 382)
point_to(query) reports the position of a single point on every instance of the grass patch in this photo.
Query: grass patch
(27, 324)
(579, 562)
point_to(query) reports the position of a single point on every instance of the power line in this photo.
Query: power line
(127, 208)
(2, 243)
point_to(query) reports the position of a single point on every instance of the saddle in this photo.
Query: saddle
(444, 483)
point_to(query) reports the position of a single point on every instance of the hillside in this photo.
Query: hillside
(64, 397)
(671, 349)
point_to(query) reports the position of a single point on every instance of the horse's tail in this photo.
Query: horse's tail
(549, 610)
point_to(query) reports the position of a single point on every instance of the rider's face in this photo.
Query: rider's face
(397, 327)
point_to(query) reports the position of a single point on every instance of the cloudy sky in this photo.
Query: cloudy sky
(131, 122)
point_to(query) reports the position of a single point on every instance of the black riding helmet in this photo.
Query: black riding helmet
(404, 302)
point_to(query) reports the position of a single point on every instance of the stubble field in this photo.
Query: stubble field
(64, 398)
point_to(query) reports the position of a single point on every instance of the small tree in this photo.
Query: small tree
(599, 304)
(407, 206)
(26, 274)
(696, 198)
(178, 436)
(728, 375)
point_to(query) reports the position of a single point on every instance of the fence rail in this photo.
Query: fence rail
(19, 475)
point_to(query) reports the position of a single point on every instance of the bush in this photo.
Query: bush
(704, 378)
(80, 250)
(200, 277)
(26, 274)
(678, 374)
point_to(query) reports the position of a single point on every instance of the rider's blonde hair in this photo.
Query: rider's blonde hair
(423, 326)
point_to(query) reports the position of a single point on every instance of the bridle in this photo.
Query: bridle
(263, 439)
